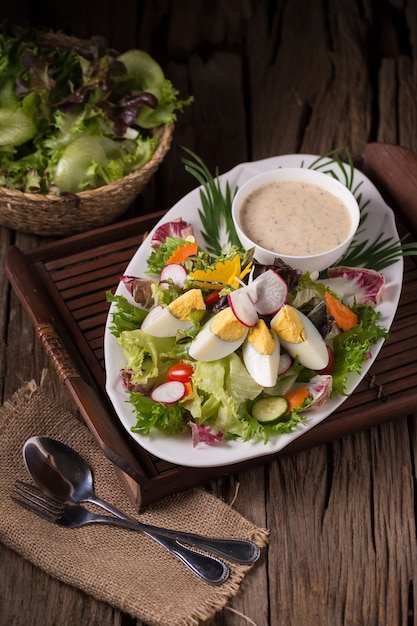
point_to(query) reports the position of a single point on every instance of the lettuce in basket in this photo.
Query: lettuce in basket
(77, 117)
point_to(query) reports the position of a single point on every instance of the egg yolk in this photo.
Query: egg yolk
(288, 325)
(226, 326)
(182, 306)
(261, 338)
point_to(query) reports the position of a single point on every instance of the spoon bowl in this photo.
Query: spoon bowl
(58, 470)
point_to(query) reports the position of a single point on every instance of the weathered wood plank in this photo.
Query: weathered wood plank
(332, 540)
(247, 493)
(5, 240)
(281, 46)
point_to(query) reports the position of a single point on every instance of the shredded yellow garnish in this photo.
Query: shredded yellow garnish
(224, 273)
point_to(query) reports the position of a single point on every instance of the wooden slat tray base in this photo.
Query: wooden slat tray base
(62, 287)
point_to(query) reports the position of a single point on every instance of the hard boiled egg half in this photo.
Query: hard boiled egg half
(219, 337)
(261, 354)
(300, 337)
(167, 321)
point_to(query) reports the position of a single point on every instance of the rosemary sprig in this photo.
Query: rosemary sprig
(377, 255)
(215, 205)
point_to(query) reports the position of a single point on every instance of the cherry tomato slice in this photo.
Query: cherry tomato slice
(330, 366)
(212, 298)
(180, 371)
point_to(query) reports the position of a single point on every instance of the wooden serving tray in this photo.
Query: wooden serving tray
(62, 286)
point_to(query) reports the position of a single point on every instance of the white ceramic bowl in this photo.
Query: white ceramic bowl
(312, 262)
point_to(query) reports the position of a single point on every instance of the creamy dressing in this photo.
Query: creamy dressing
(294, 218)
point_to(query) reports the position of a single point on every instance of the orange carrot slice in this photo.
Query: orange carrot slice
(183, 252)
(296, 397)
(344, 317)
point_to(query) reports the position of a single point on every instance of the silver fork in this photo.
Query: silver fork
(209, 568)
(241, 551)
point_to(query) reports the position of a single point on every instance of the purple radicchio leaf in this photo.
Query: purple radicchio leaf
(125, 377)
(320, 388)
(176, 228)
(140, 289)
(204, 434)
(287, 273)
(98, 77)
(356, 285)
(39, 81)
(124, 112)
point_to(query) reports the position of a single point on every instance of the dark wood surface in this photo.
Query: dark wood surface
(268, 78)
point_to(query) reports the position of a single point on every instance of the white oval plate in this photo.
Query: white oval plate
(179, 449)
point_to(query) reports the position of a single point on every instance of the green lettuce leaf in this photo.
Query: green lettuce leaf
(145, 355)
(160, 254)
(219, 388)
(77, 119)
(352, 348)
(126, 316)
(168, 418)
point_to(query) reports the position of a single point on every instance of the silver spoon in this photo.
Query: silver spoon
(207, 567)
(63, 474)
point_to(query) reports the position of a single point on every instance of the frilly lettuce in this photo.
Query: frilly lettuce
(352, 348)
(79, 118)
(145, 355)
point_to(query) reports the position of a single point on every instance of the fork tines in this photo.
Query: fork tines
(35, 500)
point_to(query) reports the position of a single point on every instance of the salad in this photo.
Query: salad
(224, 347)
(76, 115)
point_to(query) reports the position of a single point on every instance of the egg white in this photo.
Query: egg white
(312, 352)
(262, 367)
(206, 346)
(161, 323)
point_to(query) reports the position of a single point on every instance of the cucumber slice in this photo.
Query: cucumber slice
(270, 410)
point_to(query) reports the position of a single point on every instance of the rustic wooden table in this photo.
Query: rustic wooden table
(268, 78)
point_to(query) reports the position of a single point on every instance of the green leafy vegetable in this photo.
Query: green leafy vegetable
(352, 348)
(222, 391)
(146, 356)
(77, 118)
(160, 254)
(125, 316)
(167, 418)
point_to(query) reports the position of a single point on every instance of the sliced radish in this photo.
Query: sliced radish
(170, 392)
(243, 307)
(271, 292)
(285, 362)
(252, 293)
(174, 272)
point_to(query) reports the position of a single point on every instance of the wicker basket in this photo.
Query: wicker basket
(40, 214)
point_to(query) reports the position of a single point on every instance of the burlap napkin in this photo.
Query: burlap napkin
(122, 567)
